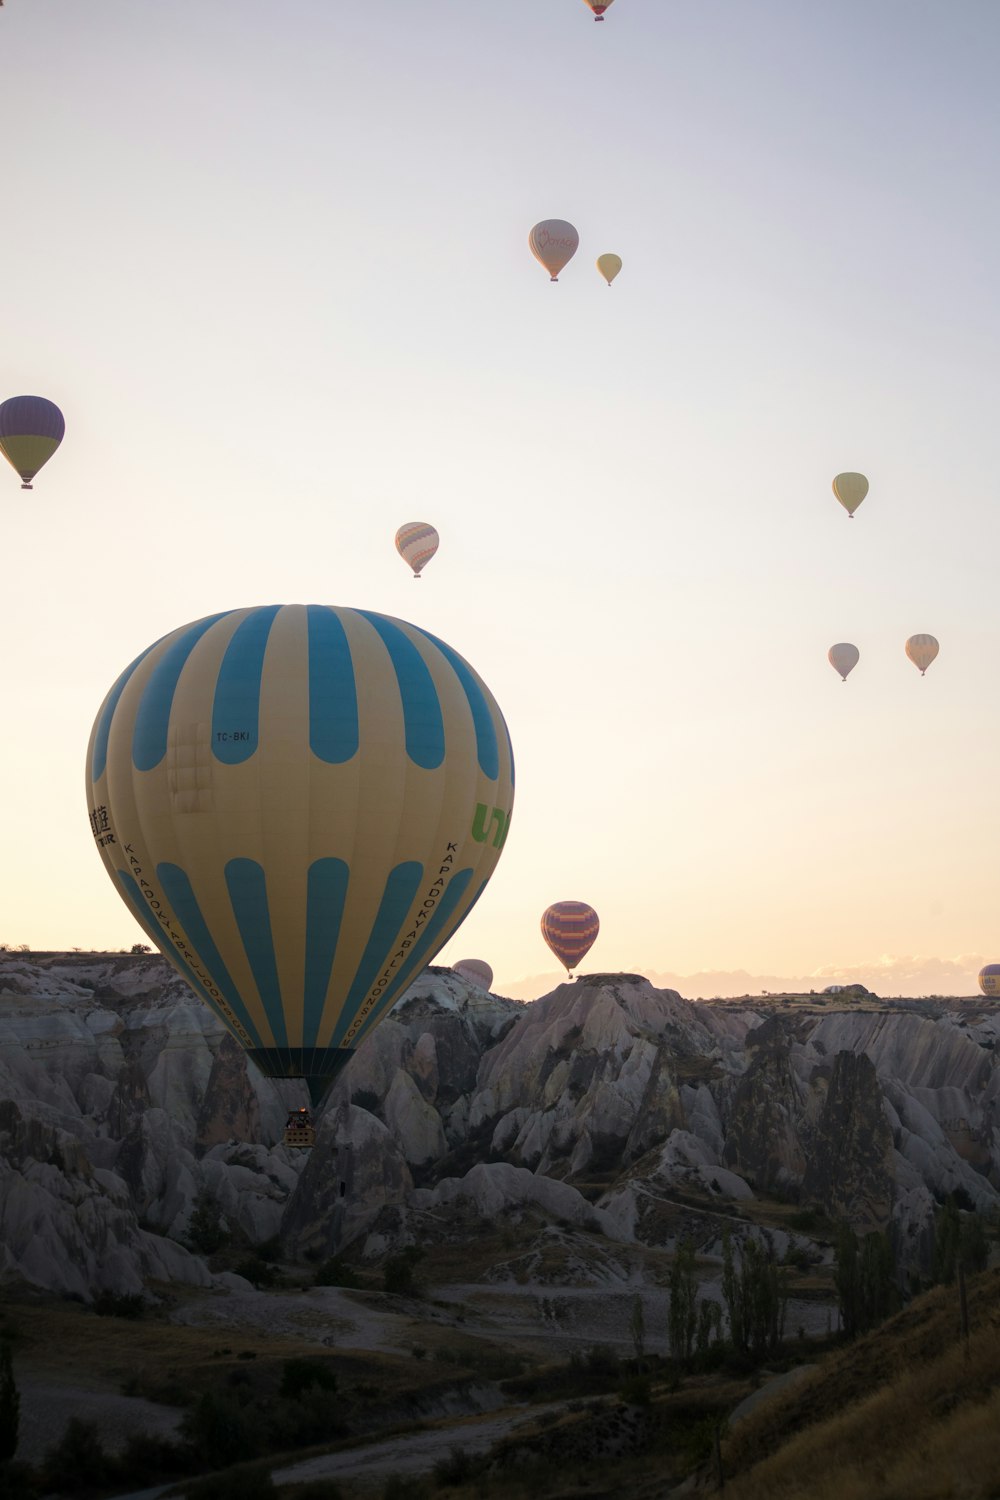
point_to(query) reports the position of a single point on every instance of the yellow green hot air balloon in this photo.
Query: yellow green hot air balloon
(850, 490)
(609, 266)
(300, 804)
(922, 649)
(31, 429)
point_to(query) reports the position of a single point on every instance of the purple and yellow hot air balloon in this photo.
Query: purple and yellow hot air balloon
(989, 980)
(416, 543)
(570, 928)
(31, 429)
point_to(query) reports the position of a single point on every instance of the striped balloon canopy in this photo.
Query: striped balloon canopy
(476, 970)
(989, 980)
(31, 429)
(598, 7)
(570, 928)
(300, 805)
(922, 649)
(416, 543)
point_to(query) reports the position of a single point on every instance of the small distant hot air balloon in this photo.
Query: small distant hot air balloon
(609, 266)
(843, 657)
(31, 430)
(850, 490)
(416, 543)
(300, 805)
(598, 7)
(553, 243)
(476, 971)
(989, 980)
(922, 649)
(569, 928)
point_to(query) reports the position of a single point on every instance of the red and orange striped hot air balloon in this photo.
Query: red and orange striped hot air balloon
(416, 543)
(570, 928)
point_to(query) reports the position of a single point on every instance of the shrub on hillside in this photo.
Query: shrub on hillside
(245, 1482)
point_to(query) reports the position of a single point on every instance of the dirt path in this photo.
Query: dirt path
(412, 1453)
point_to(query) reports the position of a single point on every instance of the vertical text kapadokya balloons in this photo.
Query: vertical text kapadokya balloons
(553, 243)
(31, 429)
(922, 649)
(843, 657)
(570, 928)
(299, 804)
(850, 490)
(416, 543)
(476, 970)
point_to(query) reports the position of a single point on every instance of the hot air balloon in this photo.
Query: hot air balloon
(609, 265)
(299, 804)
(989, 980)
(598, 7)
(416, 543)
(850, 490)
(569, 928)
(475, 970)
(553, 243)
(922, 649)
(843, 657)
(31, 430)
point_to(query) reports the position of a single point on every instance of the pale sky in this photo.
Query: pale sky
(271, 261)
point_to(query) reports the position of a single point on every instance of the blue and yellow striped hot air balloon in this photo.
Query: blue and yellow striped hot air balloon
(570, 928)
(300, 805)
(31, 429)
(989, 980)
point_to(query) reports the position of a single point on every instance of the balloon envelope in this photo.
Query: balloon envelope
(416, 543)
(989, 980)
(31, 429)
(553, 243)
(569, 928)
(299, 804)
(609, 266)
(843, 657)
(850, 490)
(475, 970)
(922, 649)
(598, 7)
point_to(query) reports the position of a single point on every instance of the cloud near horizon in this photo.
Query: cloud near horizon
(890, 975)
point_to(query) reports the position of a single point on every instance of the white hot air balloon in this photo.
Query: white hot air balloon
(476, 971)
(553, 243)
(843, 658)
(922, 649)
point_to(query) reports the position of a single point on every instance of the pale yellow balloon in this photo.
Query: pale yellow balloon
(922, 649)
(843, 657)
(609, 266)
(850, 490)
(553, 243)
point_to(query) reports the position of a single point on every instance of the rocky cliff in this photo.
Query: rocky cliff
(607, 1103)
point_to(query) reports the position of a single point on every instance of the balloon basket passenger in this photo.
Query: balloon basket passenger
(299, 1129)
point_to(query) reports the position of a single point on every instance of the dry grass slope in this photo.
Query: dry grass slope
(911, 1414)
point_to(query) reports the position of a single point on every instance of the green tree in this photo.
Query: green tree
(10, 1406)
(755, 1296)
(637, 1327)
(206, 1229)
(682, 1308)
(957, 1236)
(709, 1326)
(865, 1279)
(398, 1272)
